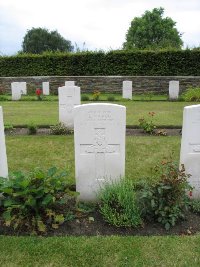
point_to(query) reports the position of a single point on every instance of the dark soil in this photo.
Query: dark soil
(93, 224)
(134, 132)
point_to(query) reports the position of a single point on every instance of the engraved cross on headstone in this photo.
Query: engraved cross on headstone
(100, 148)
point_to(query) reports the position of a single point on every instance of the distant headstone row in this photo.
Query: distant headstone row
(127, 89)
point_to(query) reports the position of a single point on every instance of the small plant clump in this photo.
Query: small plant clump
(38, 94)
(8, 127)
(111, 98)
(166, 201)
(37, 200)
(148, 125)
(32, 128)
(118, 204)
(195, 205)
(96, 95)
(85, 98)
(192, 94)
(60, 129)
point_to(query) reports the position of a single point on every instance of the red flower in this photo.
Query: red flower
(190, 193)
(38, 92)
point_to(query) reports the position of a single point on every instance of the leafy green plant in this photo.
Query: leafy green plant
(192, 94)
(96, 95)
(8, 127)
(111, 98)
(118, 204)
(32, 128)
(195, 205)
(148, 125)
(37, 200)
(85, 98)
(60, 129)
(166, 201)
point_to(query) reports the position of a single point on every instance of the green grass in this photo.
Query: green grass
(46, 112)
(142, 153)
(100, 251)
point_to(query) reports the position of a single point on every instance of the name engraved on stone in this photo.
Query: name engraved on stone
(99, 116)
(99, 148)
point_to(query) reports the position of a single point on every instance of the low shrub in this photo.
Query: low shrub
(85, 98)
(96, 95)
(3, 98)
(32, 128)
(60, 129)
(192, 94)
(118, 204)
(148, 125)
(111, 98)
(8, 127)
(195, 205)
(37, 200)
(166, 201)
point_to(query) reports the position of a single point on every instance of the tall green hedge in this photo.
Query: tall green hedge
(162, 63)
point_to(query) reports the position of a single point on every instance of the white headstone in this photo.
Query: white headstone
(173, 90)
(99, 135)
(23, 88)
(190, 146)
(70, 83)
(45, 88)
(127, 89)
(3, 156)
(16, 91)
(69, 97)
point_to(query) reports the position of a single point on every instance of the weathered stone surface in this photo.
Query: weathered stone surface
(142, 84)
(69, 83)
(99, 133)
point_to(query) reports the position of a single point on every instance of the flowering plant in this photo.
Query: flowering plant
(38, 93)
(96, 95)
(148, 126)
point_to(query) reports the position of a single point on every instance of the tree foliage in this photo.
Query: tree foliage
(152, 31)
(39, 40)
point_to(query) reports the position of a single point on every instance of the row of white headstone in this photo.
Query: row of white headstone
(99, 135)
(19, 88)
(127, 89)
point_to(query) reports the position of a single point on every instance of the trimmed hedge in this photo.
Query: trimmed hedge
(148, 63)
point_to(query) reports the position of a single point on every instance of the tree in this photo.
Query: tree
(152, 31)
(38, 40)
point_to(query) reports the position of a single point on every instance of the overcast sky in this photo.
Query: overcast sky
(100, 24)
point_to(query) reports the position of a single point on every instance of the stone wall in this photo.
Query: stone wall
(155, 84)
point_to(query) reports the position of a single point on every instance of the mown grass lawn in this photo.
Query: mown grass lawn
(142, 153)
(46, 112)
(100, 251)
